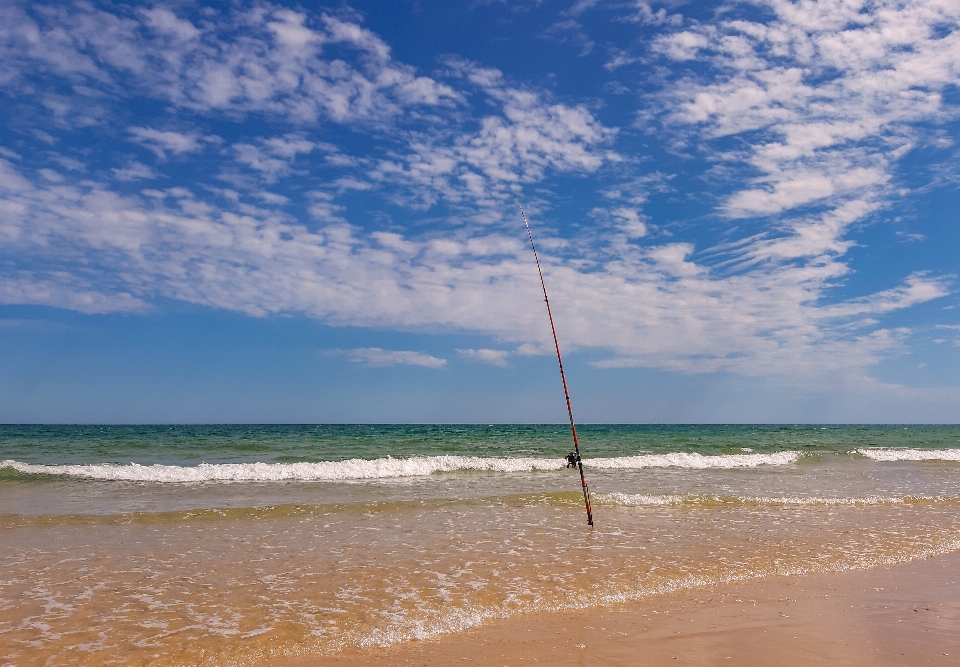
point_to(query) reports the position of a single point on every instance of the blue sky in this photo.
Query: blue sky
(269, 212)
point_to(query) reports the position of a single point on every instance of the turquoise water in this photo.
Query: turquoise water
(108, 469)
(191, 445)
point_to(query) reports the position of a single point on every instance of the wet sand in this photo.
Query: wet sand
(903, 615)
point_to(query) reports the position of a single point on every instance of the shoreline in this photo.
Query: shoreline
(905, 614)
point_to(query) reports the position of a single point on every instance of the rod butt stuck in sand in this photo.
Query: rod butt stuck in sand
(563, 377)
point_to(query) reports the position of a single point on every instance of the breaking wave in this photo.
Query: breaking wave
(696, 461)
(385, 468)
(886, 454)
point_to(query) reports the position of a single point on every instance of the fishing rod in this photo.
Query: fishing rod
(563, 377)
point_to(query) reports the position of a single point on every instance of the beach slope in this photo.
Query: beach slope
(907, 614)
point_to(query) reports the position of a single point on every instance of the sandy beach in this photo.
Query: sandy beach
(906, 614)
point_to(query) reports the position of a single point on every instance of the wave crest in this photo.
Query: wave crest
(353, 469)
(889, 454)
(385, 468)
(693, 460)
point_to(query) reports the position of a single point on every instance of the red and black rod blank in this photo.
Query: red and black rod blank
(563, 377)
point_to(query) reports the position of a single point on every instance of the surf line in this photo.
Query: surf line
(563, 377)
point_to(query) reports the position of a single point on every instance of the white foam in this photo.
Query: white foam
(642, 500)
(696, 461)
(889, 454)
(386, 468)
(638, 499)
(353, 469)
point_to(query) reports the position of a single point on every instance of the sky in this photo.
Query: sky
(277, 212)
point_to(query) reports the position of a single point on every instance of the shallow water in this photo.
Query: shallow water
(229, 545)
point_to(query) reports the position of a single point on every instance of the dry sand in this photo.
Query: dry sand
(905, 614)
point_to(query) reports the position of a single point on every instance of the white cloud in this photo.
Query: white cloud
(288, 146)
(134, 171)
(630, 222)
(68, 162)
(162, 142)
(271, 197)
(918, 289)
(824, 99)
(487, 356)
(375, 356)
(273, 157)
(259, 58)
(643, 13)
(349, 183)
(519, 145)
(60, 289)
(619, 59)
(681, 45)
(580, 6)
(50, 175)
(325, 210)
(255, 158)
(651, 306)
(568, 30)
(800, 187)
(303, 68)
(831, 92)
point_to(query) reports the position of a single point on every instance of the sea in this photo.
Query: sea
(239, 544)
